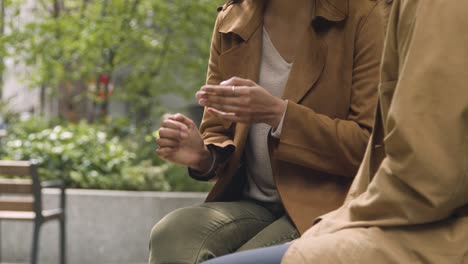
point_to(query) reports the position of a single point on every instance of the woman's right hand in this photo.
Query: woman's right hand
(180, 142)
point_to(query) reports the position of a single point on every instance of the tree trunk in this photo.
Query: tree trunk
(42, 102)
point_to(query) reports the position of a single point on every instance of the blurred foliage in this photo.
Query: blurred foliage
(79, 153)
(147, 47)
(88, 156)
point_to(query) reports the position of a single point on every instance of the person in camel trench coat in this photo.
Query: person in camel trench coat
(409, 200)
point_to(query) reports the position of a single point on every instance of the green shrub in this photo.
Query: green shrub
(86, 156)
(83, 156)
(178, 179)
(165, 177)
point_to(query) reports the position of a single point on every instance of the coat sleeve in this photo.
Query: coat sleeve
(336, 146)
(424, 176)
(214, 130)
(216, 133)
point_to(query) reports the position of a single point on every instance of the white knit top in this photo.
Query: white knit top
(274, 73)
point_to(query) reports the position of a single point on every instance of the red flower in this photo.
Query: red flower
(104, 79)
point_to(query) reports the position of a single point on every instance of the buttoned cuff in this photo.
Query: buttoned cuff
(209, 173)
(219, 155)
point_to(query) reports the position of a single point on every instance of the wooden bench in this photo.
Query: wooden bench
(21, 199)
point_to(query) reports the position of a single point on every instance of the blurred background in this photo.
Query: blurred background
(83, 84)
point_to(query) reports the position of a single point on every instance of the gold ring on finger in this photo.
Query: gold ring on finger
(233, 88)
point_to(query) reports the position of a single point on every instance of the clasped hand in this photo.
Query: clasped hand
(242, 100)
(180, 142)
(235, 100)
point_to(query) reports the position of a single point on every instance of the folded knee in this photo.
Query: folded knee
(168, 228)
(181, 235)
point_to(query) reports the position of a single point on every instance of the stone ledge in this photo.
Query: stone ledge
(102, 226)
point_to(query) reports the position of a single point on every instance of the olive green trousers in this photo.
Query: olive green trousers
(197, 233)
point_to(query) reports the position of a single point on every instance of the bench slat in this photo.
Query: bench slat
(14, 215)
(16, 186)
(19, 215)
(16, 204)
(15, 168)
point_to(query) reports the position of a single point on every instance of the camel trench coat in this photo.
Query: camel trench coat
(409, 201)
(331, 93)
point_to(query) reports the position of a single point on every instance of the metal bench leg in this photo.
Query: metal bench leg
(35, 242)
(62, 240)
(0, 242)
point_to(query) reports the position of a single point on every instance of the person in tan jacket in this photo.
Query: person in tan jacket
(409, 200)
(289, 104)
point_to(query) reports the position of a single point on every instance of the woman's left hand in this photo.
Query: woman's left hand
(241, 100)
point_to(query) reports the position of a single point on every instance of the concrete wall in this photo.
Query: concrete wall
(103, 227)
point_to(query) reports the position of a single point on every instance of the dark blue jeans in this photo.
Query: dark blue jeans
(267, 255)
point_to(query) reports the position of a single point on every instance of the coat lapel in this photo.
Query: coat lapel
(242, 58)
(310, 61)
(332, 10)
(307, 68)
(243, 61)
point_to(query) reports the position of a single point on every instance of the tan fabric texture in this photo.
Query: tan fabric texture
(409, 201)
(331, 93)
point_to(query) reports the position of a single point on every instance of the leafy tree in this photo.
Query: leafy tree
(77, 49)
